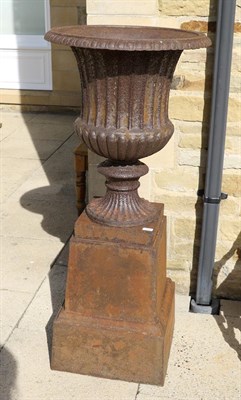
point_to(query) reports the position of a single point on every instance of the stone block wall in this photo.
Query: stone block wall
(178, 171)
(66, 82)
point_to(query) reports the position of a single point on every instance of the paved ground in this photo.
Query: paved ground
(37, 216)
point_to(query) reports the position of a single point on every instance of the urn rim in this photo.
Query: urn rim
(127, 38)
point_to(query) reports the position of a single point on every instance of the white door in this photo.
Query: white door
(25, 57)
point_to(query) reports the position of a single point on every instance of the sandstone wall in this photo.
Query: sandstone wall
(178, 171)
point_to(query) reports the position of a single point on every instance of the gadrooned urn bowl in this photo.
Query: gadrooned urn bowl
(126, 73)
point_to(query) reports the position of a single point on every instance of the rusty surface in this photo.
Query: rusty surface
(119, 275)
(127, 38)
(126, 74)
(124, 115)
(115, 350)
(122, 206)
(119, 306)
(134, 234)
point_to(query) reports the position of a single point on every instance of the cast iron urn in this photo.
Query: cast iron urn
(118, 317)
(126, 73)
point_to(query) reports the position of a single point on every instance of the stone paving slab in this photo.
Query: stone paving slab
(42, 131)
(38, 219)
(11, 121)
(54, 176)
(27, 376)
(47, 301)
(23, 267)
(37, 126)
(49, 119)
(25, 148)
(30, 238)
(14, 172)
(20, 175)
(27, 350)
(12, 305)
(39, 188)
(202, 364)
(141, 396)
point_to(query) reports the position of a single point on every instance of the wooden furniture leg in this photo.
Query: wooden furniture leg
(81, 167)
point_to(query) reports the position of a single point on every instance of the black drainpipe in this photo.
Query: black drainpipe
(203, 303)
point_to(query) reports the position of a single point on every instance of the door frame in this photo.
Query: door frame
(30, 54)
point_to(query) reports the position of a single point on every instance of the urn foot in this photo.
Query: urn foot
(121, 205)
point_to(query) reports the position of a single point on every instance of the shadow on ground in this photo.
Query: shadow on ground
(229, 320)
(8, 374)
(56, 203)
(57, 281)
(230, 326)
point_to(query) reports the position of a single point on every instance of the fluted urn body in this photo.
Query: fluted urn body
(125, 101)
(126, 74)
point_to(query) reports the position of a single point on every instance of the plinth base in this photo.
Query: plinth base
(117, 321)
(118, 350)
